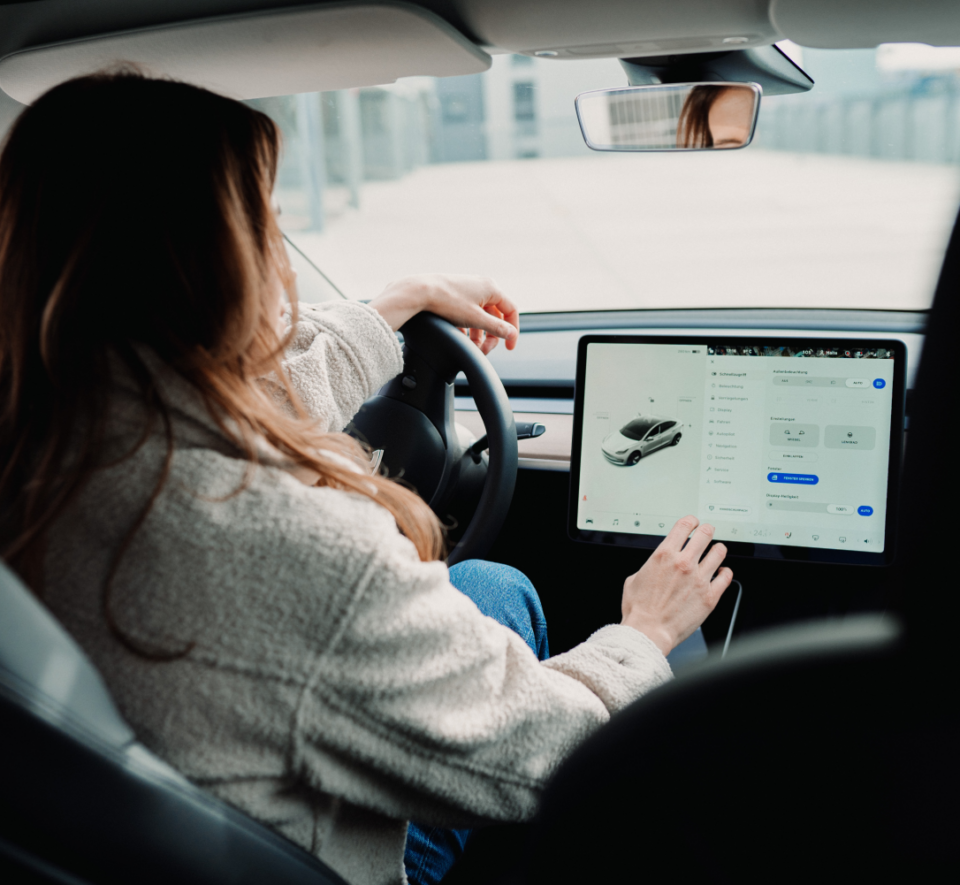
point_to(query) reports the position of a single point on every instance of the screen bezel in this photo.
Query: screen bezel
(743, 548)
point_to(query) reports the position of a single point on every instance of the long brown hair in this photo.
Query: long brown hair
(693, 127)
(135, 213)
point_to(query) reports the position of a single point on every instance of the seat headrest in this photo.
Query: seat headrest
(45, 670)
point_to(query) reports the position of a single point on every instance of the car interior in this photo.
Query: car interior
(817, 737)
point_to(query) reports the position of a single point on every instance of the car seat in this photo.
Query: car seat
(821, 752)
(82, 803)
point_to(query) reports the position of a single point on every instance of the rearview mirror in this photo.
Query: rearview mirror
(675, 117)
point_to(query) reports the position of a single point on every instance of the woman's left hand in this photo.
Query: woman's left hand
(475, 304)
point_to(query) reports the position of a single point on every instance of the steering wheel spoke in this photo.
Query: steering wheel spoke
(412, 419)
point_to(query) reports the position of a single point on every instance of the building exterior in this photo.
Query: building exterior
(523, 107)
(529, 104)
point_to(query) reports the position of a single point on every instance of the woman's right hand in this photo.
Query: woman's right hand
(674, 591)
(474, 304)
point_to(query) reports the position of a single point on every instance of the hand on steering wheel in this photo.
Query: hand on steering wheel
(474, 304)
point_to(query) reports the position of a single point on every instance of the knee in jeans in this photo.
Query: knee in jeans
(478, 573)
(505, 594)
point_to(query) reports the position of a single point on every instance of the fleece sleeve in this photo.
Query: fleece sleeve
(422, 707)
(340, 353)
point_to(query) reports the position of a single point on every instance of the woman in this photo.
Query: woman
(271, 618)
(716, 116)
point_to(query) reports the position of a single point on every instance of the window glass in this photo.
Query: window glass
(637, 429)
(844, 200)
(523, 102)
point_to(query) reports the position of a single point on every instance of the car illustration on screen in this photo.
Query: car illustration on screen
(641, 436)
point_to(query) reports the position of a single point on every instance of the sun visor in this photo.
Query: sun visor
(848, 24)
(254, 56)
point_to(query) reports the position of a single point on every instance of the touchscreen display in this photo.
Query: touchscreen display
(773, 443)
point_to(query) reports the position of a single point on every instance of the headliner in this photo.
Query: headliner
(566, 29)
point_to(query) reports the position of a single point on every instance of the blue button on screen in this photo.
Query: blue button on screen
(807, 479)
(865, 510)
(879, 383)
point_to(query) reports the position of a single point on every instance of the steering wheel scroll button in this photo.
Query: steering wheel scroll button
(409, 381)
(808, 479)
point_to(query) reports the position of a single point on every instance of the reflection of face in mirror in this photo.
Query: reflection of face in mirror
(716, 117)
(669, 116)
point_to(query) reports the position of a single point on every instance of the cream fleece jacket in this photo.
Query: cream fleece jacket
(334, 686)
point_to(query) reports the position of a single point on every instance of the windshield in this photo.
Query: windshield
(844, 200)
(638, 427)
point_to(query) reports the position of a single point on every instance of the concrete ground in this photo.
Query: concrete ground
(750, 228)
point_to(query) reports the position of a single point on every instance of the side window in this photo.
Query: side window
(654, 431)
(667, 425)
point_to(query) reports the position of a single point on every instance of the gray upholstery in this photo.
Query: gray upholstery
(46, 670)
(272, 53)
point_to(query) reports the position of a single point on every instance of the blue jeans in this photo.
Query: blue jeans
(507, 596)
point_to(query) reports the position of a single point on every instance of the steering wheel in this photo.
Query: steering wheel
(411, 419)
